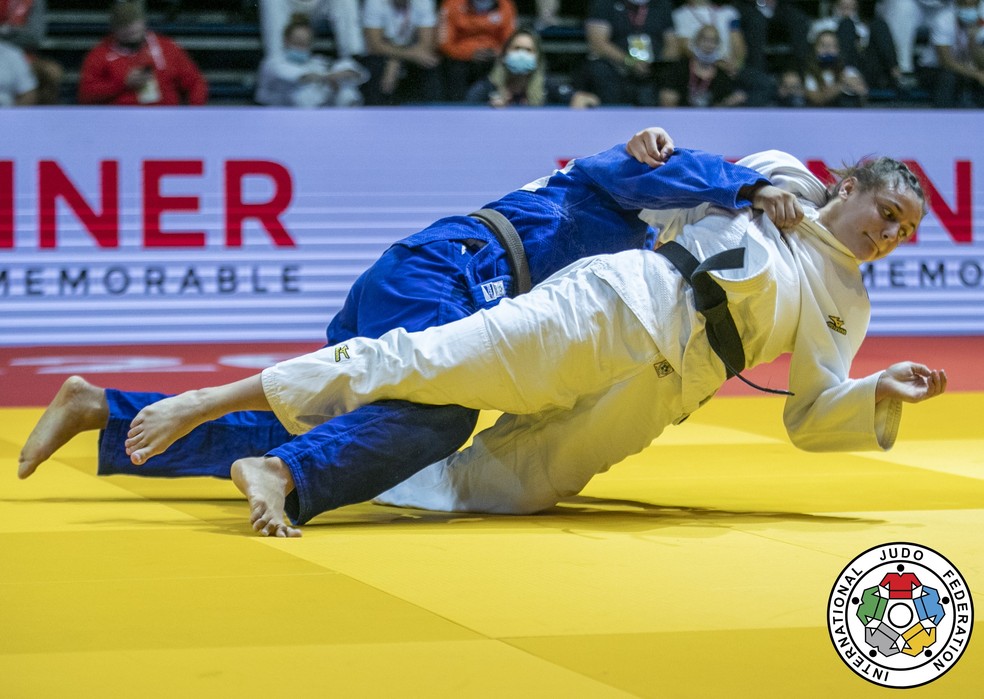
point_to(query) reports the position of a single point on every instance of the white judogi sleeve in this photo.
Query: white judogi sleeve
(569, 337)
(830, 411)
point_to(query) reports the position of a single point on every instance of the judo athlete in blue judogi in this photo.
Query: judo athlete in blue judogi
(448, 271)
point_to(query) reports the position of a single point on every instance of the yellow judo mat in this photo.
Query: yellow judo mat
(700, 568)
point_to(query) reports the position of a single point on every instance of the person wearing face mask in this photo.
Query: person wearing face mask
(691, 16)
(953, 70)
(830, 83)
(866, 45)
(519, 78)
(698, 80)
(471, 34)
(341, 17)
(294, 77)
(135, 66)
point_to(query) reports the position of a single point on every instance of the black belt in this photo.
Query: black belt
(711, 302)
(509, 239)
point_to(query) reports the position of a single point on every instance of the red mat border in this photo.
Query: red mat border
(30, 376)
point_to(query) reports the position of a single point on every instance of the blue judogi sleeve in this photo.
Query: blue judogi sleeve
(688, 179)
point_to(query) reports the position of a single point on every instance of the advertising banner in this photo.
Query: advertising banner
(217, 225)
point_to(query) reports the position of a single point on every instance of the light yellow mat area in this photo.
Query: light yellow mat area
(699, 568)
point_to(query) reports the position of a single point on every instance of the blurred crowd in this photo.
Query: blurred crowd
(665, 53)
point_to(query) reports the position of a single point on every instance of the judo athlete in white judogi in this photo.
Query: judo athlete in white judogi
(593, 364)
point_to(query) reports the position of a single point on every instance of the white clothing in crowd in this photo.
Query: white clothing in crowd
(343, 15)
(16, 76)
(399, 27)
(287, 82)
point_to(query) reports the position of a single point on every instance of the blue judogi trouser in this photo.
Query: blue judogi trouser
(355, 456)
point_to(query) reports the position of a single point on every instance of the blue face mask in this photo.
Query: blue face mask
(519, 62)
(967, 16)
(828, 60)
(297, 55)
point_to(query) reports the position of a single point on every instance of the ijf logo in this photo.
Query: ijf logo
(900, 615)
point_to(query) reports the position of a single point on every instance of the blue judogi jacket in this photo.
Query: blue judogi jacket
(592, 207)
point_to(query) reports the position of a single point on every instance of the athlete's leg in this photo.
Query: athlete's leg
(527, 463)
(162, 420)
(355, 456)
(80, 406)
(571, 336)
(206, 450)
(77, 407)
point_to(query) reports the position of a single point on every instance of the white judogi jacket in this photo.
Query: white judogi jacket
(594, 362)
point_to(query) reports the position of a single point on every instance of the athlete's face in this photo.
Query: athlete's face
(872, 223)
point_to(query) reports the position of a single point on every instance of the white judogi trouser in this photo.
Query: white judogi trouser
(527, 463)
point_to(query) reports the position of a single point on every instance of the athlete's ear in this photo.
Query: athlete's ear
(847, 187)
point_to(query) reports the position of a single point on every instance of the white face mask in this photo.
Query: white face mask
(705, 57)
(519, 62)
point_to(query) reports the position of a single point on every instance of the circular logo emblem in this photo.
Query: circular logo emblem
(900, 615)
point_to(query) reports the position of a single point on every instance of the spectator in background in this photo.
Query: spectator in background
(18, 86)
(765, 21)
(24, 23)
(697, 80)
(868, 47)
(690, 17)
(134, 66)
(829, 82)
(402, 56)
(789, 90)
(294, 77)
(904, 19)
(954, 72)
(341, 15)
(519, 78)
(471, 34)
(628, 41)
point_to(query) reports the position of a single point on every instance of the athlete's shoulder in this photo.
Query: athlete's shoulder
(773, 159)
(789, 173)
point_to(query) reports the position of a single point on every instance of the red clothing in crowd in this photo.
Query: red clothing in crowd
(462, 31)
(104, 71)
(14, 13)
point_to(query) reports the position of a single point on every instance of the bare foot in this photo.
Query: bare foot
(77, 407)
(159, 425)
(265, 481)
